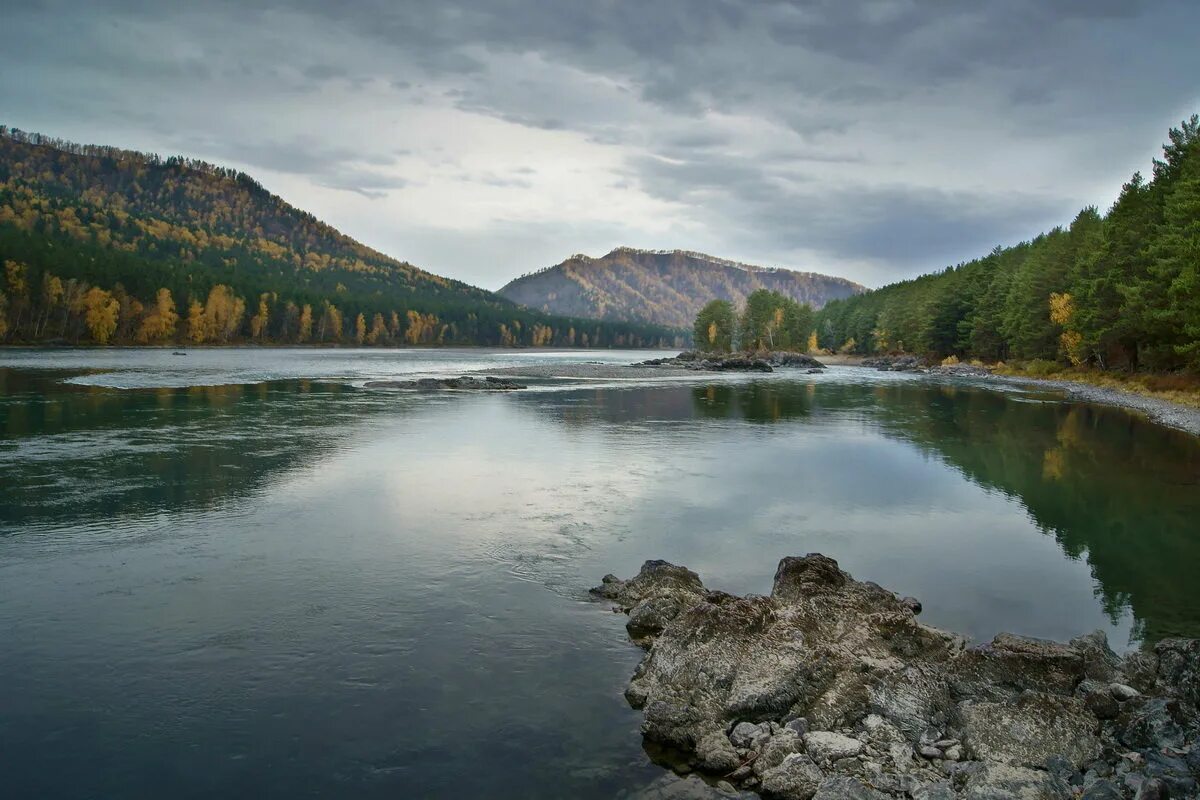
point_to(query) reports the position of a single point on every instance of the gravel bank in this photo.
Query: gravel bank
(1164, 412)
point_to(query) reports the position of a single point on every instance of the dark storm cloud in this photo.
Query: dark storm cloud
(891, 131)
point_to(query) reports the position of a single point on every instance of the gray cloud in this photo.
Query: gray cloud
(876, 139)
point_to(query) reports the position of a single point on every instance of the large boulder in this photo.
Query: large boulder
(1031, 730)
(831, 685)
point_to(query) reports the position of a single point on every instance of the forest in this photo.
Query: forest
(107, 246)
(1113, 291)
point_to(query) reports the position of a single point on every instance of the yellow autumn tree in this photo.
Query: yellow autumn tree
(378, 330)
(101, 314)
(258, 323)
(306, 324)
(223, 311)
(3, 315)
(1062, 312)
(159, 324)
(52, 295)
(197, 325)
(813, 344)
(360, 328)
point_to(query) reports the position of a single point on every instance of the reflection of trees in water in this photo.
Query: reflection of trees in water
(78, 453)
(1116, 490)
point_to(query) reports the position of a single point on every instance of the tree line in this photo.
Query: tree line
(109, 246)
(768, 321)
(1119, 290)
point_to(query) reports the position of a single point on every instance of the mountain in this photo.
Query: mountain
(663, 287)
(102, 245)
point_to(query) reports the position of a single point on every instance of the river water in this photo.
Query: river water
(238, 573)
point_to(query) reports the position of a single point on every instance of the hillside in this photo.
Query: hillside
(1115, 290)
(661, 287)
(102, 245)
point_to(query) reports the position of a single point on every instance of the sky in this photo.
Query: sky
(483, 139)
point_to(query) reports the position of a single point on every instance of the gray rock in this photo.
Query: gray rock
(1152, 789)
(1121, 692)
(830, 746)
(1003, 782)
(797, 778)
(744, 733)
(1101, 790)
(941, 790)
(775, 750)
(798, 726)
(715, 753)
(1031, 730)
(842, 787)
(832, 678)
(1151, 723)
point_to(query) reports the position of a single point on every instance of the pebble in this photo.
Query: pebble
(929, 751)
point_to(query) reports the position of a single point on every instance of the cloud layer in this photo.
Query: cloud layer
(484, 139)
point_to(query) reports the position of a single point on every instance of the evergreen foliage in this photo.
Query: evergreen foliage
(101, 245)
(1120, 290)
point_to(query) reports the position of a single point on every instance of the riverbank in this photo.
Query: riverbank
(830, 688)
(1166, 412)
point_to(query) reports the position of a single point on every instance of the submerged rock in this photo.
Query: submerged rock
(830, 687)
(464, 383)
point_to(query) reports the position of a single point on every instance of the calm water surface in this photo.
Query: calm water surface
(237, 573)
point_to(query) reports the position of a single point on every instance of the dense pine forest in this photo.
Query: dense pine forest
(107, 246)
(1114, 291)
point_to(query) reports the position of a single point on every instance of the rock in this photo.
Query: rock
(830, 683)
(715, 754)
(934, 791)
(651, 615)
(797, 778)
(744, 362)
(1101, 790)
(464, 383)
(830, 746)
(1151, 723)
(1101, 703)
(912, 603)
(1031, 730)
(656, 579)
(1003, 782)
(692, 787)
(774, 751)
(1152, 789)
(842, 787)
(1122, 693)
(1179, 668)
(798, 726)
(744, 733)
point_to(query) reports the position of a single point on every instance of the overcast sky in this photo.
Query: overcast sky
(488, 138)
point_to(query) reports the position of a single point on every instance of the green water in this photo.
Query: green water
(238, 573)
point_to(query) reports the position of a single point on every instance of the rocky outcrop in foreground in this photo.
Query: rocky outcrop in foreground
(465, 383)
(742, 362)
(830, 688)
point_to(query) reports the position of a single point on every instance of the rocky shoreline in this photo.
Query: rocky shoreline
(830, 688)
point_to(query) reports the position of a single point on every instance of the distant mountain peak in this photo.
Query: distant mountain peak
(667, 287)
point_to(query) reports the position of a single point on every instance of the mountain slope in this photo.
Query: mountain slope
(661, 287)
(91, 237)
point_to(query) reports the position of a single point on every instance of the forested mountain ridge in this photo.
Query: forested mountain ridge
(664, 287)
(1115, 290)
(105, 245)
